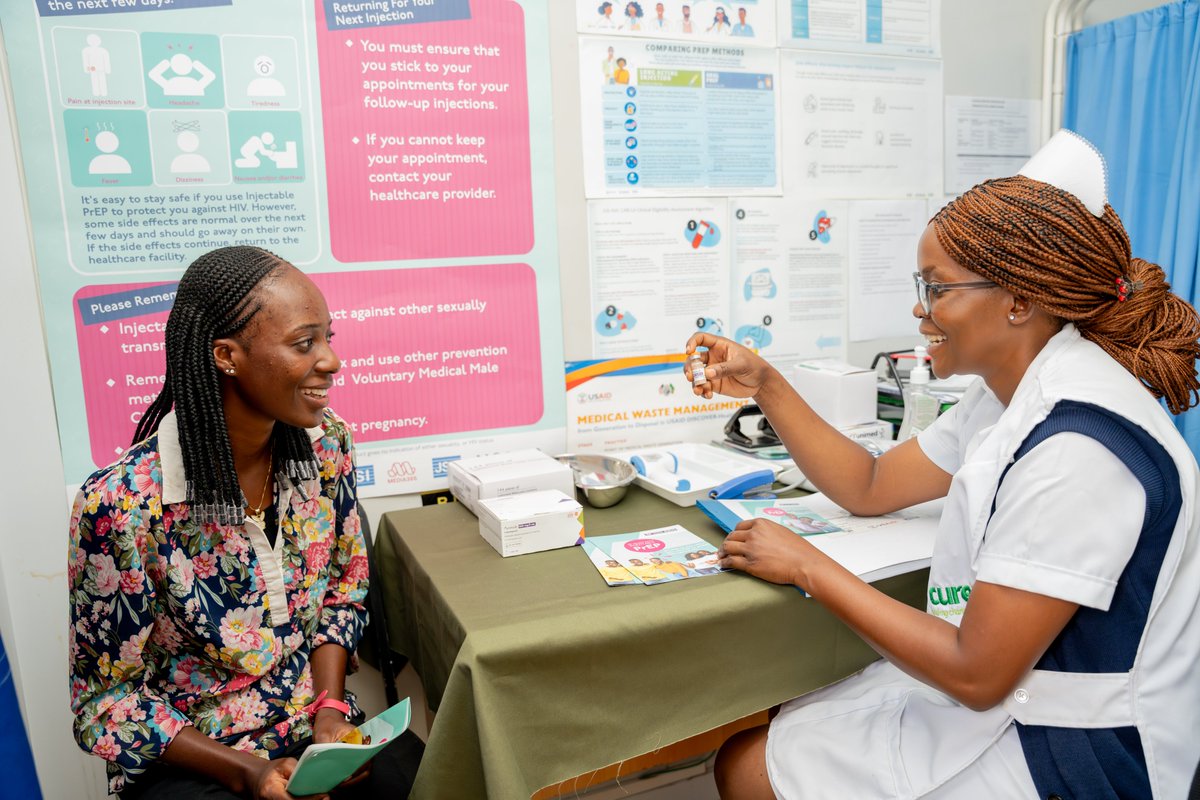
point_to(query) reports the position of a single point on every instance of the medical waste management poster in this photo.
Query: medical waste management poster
(398, 151)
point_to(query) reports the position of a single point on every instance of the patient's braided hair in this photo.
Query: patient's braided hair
(1042, 244)
(217, 297)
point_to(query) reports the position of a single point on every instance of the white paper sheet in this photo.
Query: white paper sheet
(883, 257)
(896, 27)
(789, 277)
(746, 22)
(862, 126)
(878, 547)
(988, 137)
(675, 118)
(660, 271)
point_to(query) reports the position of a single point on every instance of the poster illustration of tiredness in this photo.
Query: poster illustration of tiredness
(394, 150)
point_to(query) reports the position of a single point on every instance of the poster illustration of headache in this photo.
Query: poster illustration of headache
(394, 150)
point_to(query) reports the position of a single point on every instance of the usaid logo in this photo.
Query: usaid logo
(365, 476)
(401, 472)
(439, 465)
(592, 397)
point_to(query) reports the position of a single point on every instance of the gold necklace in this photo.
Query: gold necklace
(259, 514)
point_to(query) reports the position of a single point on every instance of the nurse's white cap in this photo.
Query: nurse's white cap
(1073, 164)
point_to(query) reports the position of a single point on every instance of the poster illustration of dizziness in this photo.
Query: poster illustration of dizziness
(387, 148)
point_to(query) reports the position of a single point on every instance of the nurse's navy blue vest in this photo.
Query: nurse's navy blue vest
(1104, 763)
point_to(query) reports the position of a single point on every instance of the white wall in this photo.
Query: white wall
(989, 48)
(33, 543)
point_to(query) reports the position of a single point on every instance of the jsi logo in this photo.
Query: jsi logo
(948, 595)
(439, 465)
(364, 476)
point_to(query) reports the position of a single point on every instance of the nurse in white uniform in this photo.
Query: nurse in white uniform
(1059, 652)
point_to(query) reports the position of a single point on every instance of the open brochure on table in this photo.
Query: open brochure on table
(323, 766)
(660, 555)
(872, 548)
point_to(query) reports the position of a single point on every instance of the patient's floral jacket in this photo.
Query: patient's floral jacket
(177, 623)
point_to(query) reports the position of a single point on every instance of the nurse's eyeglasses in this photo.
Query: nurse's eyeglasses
(926, 291)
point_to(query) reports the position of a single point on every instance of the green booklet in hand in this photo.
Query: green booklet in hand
(324, 766)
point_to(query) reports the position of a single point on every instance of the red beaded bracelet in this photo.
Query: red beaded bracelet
(322, 701)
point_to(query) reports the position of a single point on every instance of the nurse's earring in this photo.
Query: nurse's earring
(1011, 318)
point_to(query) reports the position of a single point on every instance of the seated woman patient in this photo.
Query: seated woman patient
(1058, 653)
(218, 570)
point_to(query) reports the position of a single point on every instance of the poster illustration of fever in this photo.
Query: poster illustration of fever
(389, 154)
(661, 555)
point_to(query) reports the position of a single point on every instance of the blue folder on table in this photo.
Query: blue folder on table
(720, 513)
(792, 513)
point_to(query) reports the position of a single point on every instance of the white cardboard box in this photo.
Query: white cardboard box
(505, 474)
(841, 394)
(875, 431)
(531, 522)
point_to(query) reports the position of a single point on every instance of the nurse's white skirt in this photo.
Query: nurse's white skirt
(882, 734)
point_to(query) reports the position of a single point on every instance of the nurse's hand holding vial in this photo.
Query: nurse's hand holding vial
(739, 372)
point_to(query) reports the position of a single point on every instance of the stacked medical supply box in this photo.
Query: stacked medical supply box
(531, 522)
(505, 474)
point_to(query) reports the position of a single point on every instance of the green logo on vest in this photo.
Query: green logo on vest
(948, 595)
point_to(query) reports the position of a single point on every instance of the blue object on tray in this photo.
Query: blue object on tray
(742, 485)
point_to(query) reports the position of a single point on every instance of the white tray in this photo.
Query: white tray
(703, 466)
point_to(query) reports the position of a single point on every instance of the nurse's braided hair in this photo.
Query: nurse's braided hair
(216, 299)
(1042, 244)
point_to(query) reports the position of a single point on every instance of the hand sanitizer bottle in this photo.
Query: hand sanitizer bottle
(920, 406)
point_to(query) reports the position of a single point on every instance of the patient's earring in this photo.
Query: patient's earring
(1011, 318)
(229, 371)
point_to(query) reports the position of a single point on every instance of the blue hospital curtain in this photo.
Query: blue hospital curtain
(1133, 89)
(18, 778)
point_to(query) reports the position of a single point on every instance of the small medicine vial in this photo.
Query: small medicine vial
(697, 365)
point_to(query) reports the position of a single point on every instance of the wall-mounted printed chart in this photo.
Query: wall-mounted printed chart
(790, 257)
(862, 126)
(660, 272)
(882, 27)
(387, 149)
(747, 22)
(675, 118)
(883, 246)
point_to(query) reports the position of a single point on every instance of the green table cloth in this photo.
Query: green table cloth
(539, 671)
